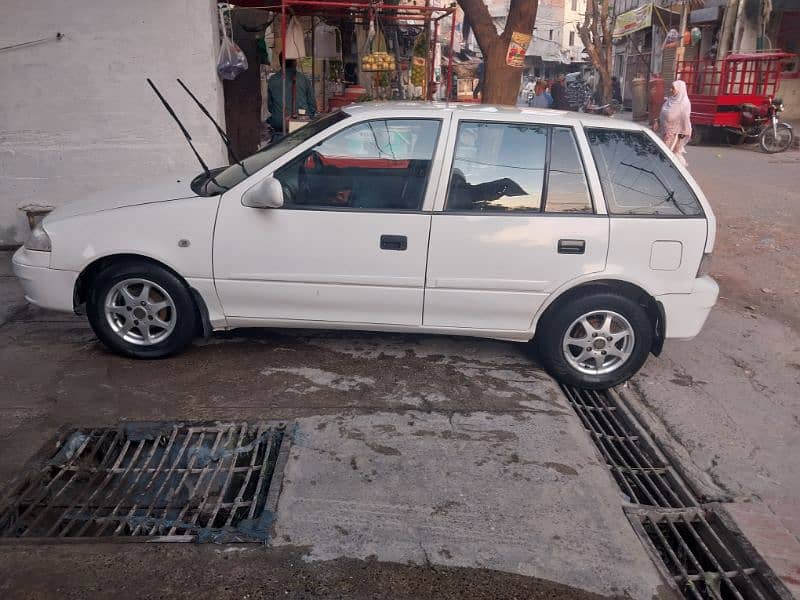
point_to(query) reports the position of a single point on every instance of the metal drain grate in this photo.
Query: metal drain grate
(151, 481)
(701, 556)
(697, 551)
(638, 469)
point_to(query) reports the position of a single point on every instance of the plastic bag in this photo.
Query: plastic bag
(231, 60)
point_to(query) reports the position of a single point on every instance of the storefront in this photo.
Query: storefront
(346, 51)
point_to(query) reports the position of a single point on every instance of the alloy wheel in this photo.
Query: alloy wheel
(598, 342)
(140, 312)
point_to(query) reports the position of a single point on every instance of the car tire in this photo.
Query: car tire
(616, 357)
(141, 310)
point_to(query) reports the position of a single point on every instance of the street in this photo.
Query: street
(443, 466)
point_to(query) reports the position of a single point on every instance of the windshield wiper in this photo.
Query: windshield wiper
(670, 197)
(185, 134)
(222, 133)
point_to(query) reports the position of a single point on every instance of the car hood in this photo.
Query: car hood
(153, 190)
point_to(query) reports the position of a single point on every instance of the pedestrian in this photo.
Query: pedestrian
(528, 90)
(540, 95)
(616, 92)
(294, 87)
(559, 93)
(480, 73)
(674, 121)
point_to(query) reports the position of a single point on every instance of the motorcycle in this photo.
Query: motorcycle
(762, 123)
(608, 109)
(530, 98)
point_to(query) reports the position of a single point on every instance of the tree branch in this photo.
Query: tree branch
(481, 22)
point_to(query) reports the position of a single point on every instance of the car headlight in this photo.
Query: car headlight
(39, 240)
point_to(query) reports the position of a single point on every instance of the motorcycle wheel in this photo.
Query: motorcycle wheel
(777, 140)
(699, 135)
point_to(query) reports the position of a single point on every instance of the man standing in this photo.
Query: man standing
(481, 73)
(559, 93)
(299, 96)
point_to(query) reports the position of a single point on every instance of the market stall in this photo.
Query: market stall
(354, 51)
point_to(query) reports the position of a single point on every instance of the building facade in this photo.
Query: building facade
(76, 113)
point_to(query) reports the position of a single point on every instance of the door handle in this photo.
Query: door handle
(571, 246)
(394, 242)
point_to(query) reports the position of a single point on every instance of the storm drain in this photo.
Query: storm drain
(693, 545)
(216, 482)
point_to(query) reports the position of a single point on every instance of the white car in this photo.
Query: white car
(580, 233)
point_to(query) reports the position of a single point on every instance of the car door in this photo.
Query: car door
(515, 221)
(349, 244)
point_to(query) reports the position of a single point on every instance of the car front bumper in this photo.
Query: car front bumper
(685, 314)
(45, 287)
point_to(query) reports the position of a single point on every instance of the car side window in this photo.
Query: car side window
(637, 177)
(379, 165)
(498, 167)
(567, 190)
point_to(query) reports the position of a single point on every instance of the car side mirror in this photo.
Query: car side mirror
(267, 193)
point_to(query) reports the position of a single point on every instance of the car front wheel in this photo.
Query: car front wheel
(141, 310)
(595, 340)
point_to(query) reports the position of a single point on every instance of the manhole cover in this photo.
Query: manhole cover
(166, 481)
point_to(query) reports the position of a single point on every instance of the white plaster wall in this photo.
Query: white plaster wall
(573, 18)
(77, 115)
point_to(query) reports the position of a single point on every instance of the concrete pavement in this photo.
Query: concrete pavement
(436, 451)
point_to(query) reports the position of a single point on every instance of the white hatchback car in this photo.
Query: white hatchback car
(581, 233)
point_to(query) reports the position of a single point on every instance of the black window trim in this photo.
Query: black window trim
(347, 209)
(614, 215)
(542, 212)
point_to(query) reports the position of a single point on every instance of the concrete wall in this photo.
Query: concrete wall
(76, 115)
(789, 92)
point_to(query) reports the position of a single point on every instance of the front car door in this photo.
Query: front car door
(349, 246)
(515, 222)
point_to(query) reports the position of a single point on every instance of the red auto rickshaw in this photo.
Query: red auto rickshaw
(737, 94)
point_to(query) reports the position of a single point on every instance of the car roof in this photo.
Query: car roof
(474, 110)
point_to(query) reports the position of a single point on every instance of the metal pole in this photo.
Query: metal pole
(450, 59)
(283, 68)
(313, 61)
(433, 55)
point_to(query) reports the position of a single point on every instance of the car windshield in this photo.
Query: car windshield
(234, 174)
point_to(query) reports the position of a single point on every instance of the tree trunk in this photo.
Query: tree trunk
(501, 82)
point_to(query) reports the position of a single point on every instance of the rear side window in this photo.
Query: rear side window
(567, 191)
(637, 178)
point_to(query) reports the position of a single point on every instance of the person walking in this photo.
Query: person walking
(674, 122)
(299, 93)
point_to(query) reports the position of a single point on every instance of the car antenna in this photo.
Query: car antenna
(225, 139)
(185, 134)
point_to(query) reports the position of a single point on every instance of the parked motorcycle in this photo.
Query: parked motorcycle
(608, 109)
(530, 98)
(761, 123)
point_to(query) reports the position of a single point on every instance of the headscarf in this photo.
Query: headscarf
(676, 111)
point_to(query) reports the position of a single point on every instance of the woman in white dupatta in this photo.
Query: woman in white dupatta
(674, 123)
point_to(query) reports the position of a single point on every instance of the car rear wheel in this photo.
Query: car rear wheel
(141, 310)
(595, 340)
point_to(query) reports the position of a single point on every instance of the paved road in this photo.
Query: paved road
(409, 450)
(728, 402)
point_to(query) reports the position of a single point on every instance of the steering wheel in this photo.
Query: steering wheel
(309, 168)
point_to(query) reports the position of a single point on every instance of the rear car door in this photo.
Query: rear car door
(515, 221)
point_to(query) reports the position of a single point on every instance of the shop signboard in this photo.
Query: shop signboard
(633, 20)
